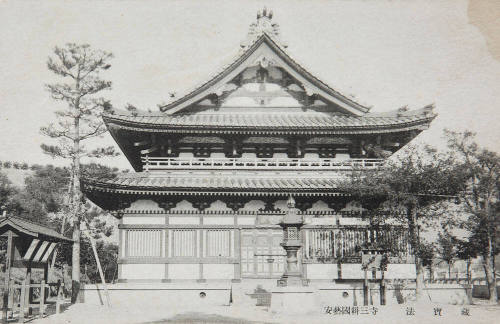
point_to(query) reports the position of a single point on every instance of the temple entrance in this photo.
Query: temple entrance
(261, 253)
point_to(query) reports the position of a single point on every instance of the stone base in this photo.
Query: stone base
(294, 300)
(292, 282)
(291, 279)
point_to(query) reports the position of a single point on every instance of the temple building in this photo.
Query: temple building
(217, 165)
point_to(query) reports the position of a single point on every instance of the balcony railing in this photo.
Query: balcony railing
(162, 163)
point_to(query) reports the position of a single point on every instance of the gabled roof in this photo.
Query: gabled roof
(238, 64)
(30, 228)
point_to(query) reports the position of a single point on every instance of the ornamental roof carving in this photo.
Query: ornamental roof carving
(262, 25)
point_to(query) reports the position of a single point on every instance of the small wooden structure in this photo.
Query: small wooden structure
(29, 246)
(373, 259)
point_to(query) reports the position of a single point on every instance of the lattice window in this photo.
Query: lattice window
(293, 234)
(184, 243)
(218, 243)
(334, 243)
(320, 244)
(144, 243)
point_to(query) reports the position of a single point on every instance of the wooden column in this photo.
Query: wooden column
(42, 299)
(199, 252)
(8, 261)
(29, 294)
(23, 299)
(237, 255)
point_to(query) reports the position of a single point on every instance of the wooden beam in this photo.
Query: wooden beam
(92, 243)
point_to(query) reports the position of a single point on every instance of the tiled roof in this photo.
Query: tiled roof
(280, 122)
(242, 55)
(149, 182)
(31, 228)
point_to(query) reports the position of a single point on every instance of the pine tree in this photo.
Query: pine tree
(79, 66)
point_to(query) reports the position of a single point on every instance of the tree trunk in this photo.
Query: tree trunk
(449, 270)
(489, 257)
(489, 269)
(75, 259)
(468, 271)
(415, 244)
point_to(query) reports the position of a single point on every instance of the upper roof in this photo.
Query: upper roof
(32, 229)
(264, 45)
(263, 90)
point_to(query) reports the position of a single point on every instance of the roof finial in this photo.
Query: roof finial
(261, 26)
(264, 13)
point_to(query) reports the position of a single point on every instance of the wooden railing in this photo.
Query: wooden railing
(21, 298)
(161, 163)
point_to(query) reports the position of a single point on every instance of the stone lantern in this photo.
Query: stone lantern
(291, 224)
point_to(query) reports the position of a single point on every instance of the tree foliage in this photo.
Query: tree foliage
(446, 249)
(407, 188)
(43, 199)
(481, 170)
(81, 66)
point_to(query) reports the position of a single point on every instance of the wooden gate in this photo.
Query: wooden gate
(261, 253)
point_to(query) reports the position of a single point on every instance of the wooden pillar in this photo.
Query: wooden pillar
(29, 295)
(46, 279)
(382, 289)
(59, 296)
(42, 298)
(237, 254)
(365, 289)
(22, 300)
(199, 253)
(8, 261)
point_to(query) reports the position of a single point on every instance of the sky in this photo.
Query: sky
(387, 54)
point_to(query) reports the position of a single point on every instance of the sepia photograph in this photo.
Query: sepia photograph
(243, 161)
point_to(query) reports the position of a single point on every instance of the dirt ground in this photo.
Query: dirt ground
(409, 313)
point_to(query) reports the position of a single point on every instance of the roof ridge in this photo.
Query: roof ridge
(24, 219)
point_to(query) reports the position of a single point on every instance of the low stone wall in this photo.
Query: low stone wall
(326, 293)
(446, 293)
(161, 294)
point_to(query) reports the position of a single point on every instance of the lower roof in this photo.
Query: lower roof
(213, 183)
